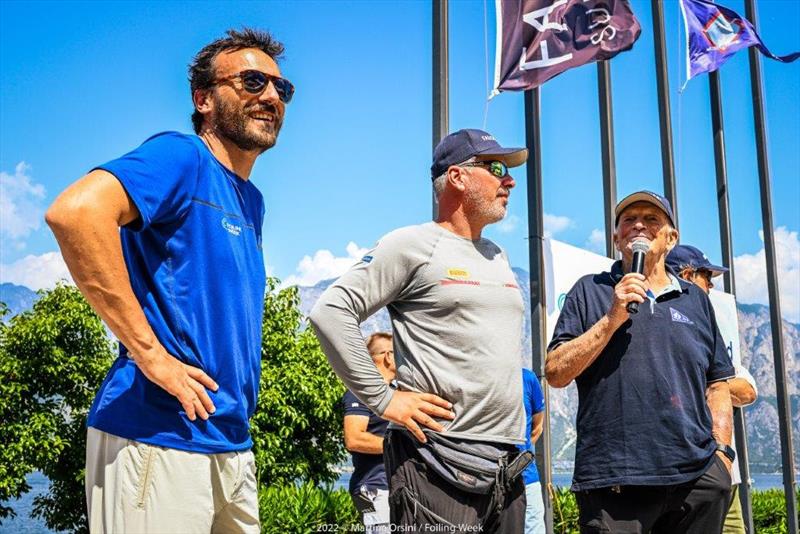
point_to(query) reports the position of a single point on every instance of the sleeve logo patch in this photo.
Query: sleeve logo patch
(366, 259)
(457, 273)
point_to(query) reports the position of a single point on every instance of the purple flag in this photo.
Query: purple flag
(714, 33)
(540, 39)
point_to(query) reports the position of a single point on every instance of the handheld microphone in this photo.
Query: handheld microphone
(640, 248)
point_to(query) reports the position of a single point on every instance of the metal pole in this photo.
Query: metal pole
(718, 133)
(441, 81)
(664, 117)
(533, 140)
(778, 354)
(607, 151)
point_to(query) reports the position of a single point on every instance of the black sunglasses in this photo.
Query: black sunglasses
(497, 168)
(255, 81)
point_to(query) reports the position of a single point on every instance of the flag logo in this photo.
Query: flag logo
(678, 317)
(721, 32)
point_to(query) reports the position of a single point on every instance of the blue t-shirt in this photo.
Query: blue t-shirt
(533, 398)
(197, 269)
(368, 469)
(642, 412)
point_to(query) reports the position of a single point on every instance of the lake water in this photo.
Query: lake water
(24, 524)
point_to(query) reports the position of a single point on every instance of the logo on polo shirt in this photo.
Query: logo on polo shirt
(678, 317)
(366, 259)
(231, 228)
(457, 273)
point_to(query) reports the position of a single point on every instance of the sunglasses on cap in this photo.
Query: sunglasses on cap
(255, 81)
(497, 168)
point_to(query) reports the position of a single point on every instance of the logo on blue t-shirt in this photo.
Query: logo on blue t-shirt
(678, 317)
(231, 228)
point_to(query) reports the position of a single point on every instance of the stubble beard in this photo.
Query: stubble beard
(232, 123)
(478, 208)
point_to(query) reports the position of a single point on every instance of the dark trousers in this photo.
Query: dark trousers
(419, 498)
(695, 507)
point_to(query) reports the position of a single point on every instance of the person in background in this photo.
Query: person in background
(534, 422)
(691, 264)
(363, 437)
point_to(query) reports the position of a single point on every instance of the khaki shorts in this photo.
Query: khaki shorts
(132, 487)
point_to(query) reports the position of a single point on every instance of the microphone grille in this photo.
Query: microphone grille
(641, 245)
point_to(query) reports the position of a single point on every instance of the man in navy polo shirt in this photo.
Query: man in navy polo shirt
(654, 416)
(165, 244)
(363, 437)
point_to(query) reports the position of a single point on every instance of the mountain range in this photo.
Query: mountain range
(756, 346)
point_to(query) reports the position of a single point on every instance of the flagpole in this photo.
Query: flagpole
(718, 133)
(533, 140)
(664, 117)
(441, 80)
(607, 152)
(776, 320)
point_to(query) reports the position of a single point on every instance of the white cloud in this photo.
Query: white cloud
(508, 225)
(751, 274)
(323, 266)
(554, 224)
(596, 241)
(21, 206)
(36, 272)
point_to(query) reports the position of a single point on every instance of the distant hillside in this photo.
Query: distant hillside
(756, 342)
(17, 298)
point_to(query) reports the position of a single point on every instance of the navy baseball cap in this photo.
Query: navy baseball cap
(644, 196)
(688, 256)
(462, 145)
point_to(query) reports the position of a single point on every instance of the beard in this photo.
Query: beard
(478, 207)
(233, 122)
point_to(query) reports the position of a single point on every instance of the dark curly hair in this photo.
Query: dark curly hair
(201, 70)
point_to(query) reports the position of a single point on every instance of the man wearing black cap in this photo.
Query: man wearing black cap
(692, 265)
(457, 315)
(654, 416)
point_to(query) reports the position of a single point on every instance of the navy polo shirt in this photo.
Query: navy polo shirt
(642, 412)
(368, 469)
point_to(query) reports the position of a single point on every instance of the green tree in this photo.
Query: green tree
(297, 427)
(53, 359)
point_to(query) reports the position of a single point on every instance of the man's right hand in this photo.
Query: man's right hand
(414, 409)
(631, 288)
(186, 383)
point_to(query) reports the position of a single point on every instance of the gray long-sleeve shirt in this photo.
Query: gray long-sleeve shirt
(457, 314)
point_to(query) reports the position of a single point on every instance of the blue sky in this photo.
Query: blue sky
(84, 82)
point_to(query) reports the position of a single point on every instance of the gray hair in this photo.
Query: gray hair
(440, 181)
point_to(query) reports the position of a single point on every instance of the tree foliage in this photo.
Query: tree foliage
(52, 360)
(54, 357)
(297, 427)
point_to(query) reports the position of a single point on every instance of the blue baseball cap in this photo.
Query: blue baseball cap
(462, 145)
(645, 196)
(683, 256)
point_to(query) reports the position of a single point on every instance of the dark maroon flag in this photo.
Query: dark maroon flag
(539, 39)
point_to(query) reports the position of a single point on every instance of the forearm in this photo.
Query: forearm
(570, 359)
(365, 443)
(91, 248)
(718, 398)
(337, 327)
(742, 393)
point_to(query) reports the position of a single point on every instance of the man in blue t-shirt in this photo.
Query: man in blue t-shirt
(363, 437)
(654, 410)
(165, 244)
(533, 398)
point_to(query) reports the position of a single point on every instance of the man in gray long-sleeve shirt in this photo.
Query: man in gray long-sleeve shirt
(457, 317)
